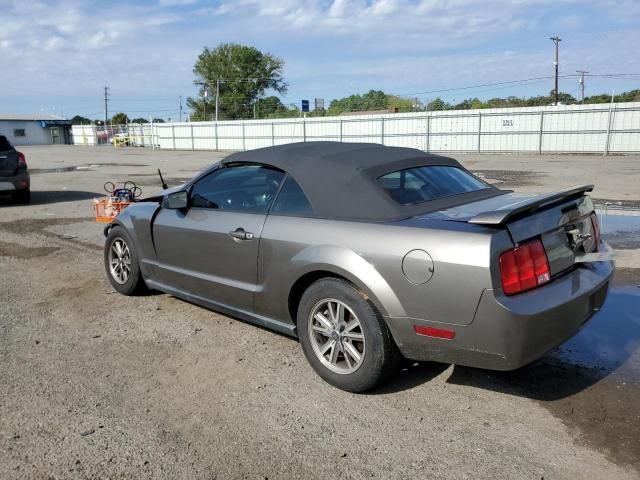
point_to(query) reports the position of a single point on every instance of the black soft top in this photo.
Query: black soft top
(340, 179)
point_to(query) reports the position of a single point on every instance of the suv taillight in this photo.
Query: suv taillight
(596, 230)
(524, 267)
(22, 161)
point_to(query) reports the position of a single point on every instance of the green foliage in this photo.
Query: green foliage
(80, 120)
(630, 96)
(245, 73)
(438, 104)
(139, 120)
(372, 100)
(158, 120)
(119, 119)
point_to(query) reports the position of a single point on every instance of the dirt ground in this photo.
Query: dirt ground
(97, 385)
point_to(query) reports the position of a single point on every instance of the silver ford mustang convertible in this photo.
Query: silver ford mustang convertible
(368, 253)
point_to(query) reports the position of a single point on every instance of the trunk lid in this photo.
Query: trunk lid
(8, 159)
(562, 220)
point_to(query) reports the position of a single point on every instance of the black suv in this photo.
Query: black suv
(14, 177)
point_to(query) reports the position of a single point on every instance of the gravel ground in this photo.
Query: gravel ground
(97, 385)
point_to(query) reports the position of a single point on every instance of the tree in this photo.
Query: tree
(244, 74)
(158, 120)
(139, 120)
(119, 119)
(80, 120)
(438, 104)
(270, 107)
(372, 100)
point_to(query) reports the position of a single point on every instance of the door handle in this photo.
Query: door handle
(240, 234)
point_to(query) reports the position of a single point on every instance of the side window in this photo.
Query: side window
(243, 188)
(292, 201)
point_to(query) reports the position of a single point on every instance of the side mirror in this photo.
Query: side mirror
(176, 200)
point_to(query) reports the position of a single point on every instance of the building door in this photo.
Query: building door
(55, 135)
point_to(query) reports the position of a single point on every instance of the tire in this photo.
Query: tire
(22, 196)
(125, 276)
(379, 355)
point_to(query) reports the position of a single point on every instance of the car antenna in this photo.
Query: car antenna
(164, 185)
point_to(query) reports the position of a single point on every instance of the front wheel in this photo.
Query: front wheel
(121, 263)
(344, 338)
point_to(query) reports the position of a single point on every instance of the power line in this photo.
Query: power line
(473, 87)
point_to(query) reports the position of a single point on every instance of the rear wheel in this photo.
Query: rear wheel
(22, 196)
(344, 338)
(121, 263)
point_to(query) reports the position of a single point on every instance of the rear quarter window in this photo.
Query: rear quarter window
(291, 201)
(422, 184)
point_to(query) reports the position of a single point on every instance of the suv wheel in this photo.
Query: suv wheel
(22, 196)
(344, 338)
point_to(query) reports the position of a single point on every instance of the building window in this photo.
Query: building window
(19, 132)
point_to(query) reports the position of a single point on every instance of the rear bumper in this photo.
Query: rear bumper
(17, 182)
(509, 332)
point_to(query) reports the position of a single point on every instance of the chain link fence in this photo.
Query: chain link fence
(601, 129)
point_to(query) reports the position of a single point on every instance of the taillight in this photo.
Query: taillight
(524, 267)
(596, 230)
(22, 161)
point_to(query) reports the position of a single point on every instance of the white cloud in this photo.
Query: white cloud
(331, 47)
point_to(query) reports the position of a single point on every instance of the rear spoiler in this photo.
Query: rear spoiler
(509, 212)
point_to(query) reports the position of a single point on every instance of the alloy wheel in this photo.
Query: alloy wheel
(119, 261)
(336, 335)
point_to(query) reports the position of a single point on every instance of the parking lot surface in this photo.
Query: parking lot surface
(97, 385)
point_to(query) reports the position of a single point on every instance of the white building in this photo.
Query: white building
(42, 129)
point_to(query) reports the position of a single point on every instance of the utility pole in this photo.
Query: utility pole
(556, 41)
(581, 72)
(106, 106)
(217, 97)
(180, 108)
(204, 100)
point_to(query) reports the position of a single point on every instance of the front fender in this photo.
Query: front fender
(348, 264)
(137, 220)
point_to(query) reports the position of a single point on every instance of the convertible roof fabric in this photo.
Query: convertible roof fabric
(340, 179)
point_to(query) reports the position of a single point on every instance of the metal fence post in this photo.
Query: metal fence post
(340, 130)
(479, 130)
(273, 133)
(541, 132)
(244, 144)
(382, 130)
(428, 133)
(153, 143)
(173, 135)
(304, 130)
(215, 130)
(607, 143)
(193, 147)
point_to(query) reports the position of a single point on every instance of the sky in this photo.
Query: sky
(57, 55)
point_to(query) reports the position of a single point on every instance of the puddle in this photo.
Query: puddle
(10, 249)
(33, 171)
(620, 228)
(81, 168)
(591, 383)
(508, 178)
(610, 342)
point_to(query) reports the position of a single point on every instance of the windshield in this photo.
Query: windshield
(421, 184)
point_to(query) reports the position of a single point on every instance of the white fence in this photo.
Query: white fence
(563, 129)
